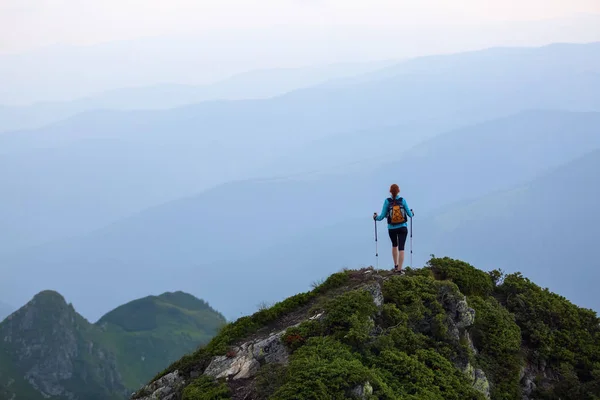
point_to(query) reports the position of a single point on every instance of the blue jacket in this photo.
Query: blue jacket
(384, 213)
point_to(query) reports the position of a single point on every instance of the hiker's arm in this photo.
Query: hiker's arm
(383, 211)
(405, 204)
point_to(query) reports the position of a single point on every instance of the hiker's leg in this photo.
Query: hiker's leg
(400, 259)
(403, 232)
(394, 239)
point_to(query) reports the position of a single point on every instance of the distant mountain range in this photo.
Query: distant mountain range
(49, 350)
(101, 166)
(194, 241)
(250, 85)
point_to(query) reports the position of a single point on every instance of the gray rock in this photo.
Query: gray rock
(460, 315)
(454, 332)
(465, 315)
(362, 391)
(528, 387)
(375, 290)
(165, 388)
(478, 379)
(271, 350)
(467, 337)
(248, 358)
(530, 373)
(455, 304)
(481, 383)
(243, 365)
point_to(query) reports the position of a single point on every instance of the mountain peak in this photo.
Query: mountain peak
(48, 306)
(154, 312)
(50, 296)
(50, 344)
(185, 300)
(447, 330)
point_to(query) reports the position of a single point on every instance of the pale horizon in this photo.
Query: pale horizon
(31, 25)
(63, 50)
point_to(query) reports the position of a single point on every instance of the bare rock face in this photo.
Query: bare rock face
(460, 315)
(534, 375)
(478, 380)
(362, 392)
(246, 359)
(165, 388)
(375, 290)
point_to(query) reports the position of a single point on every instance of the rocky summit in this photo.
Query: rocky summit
(56, 351)
(48, 350)
(445, 331)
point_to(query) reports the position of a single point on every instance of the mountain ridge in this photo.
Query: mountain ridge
(162, 96)
(446, 331)
(190, 141)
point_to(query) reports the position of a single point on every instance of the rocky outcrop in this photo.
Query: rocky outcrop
(375, 290)
(460, 315)
(245, 360)
(165, 388)
(478, 380)
(536, 375)
(362, 392)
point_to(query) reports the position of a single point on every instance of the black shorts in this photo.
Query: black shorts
(398, 237)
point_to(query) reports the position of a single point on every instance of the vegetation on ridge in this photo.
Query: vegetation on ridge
(524, 338)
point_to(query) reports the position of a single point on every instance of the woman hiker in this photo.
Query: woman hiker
(397, 212)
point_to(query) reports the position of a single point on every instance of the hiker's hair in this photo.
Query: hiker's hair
(394, 190)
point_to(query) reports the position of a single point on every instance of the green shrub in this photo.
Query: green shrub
(391, 316)
(470, 280)
(348, 316)
(498, 339)
(564, 336)
(323, 368)
(296, 336)
(334, 281)
(418, 298)
(425, 375)
(269, 379)
(204, 388)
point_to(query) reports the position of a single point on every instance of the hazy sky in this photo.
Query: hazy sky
(26, 24)
(66, 49)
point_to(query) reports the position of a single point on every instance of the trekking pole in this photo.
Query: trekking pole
(376, 249)
(411, 239)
